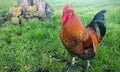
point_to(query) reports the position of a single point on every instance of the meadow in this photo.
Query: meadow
(36, 46)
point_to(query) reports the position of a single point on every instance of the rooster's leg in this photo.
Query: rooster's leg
(73, 62)
(88, 64)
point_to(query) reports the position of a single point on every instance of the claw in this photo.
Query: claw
(88, 65)
(73, 62)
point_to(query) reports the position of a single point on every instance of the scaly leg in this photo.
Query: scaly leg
(73, 62)
(88, 64)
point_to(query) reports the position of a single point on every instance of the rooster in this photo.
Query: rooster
(79, 40)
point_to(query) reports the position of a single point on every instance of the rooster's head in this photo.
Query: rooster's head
(66, 13)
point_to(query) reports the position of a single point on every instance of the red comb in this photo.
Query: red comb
(67, 7)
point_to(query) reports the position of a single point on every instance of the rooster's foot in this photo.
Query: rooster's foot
(74, 62)
(88, 65)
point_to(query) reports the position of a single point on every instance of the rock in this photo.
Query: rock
(15, 20)
(38, 9)
(7, 16)
(32, 8)
(1, 15)
(16, 11)
(31, 12)
(1, 19)
(22, 20)
(49, 9)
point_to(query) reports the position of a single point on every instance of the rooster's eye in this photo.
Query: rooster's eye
(69, 12)
(64, 13)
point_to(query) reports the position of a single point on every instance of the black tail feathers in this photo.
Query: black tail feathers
(100, 15)
(103, 11)
(99, 22)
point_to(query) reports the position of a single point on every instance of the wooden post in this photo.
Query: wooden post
(41, 6)
(24, 4)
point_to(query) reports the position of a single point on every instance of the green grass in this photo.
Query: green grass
(5, 5)
(37, 46)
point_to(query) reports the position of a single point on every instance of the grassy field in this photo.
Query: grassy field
(36, 46)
